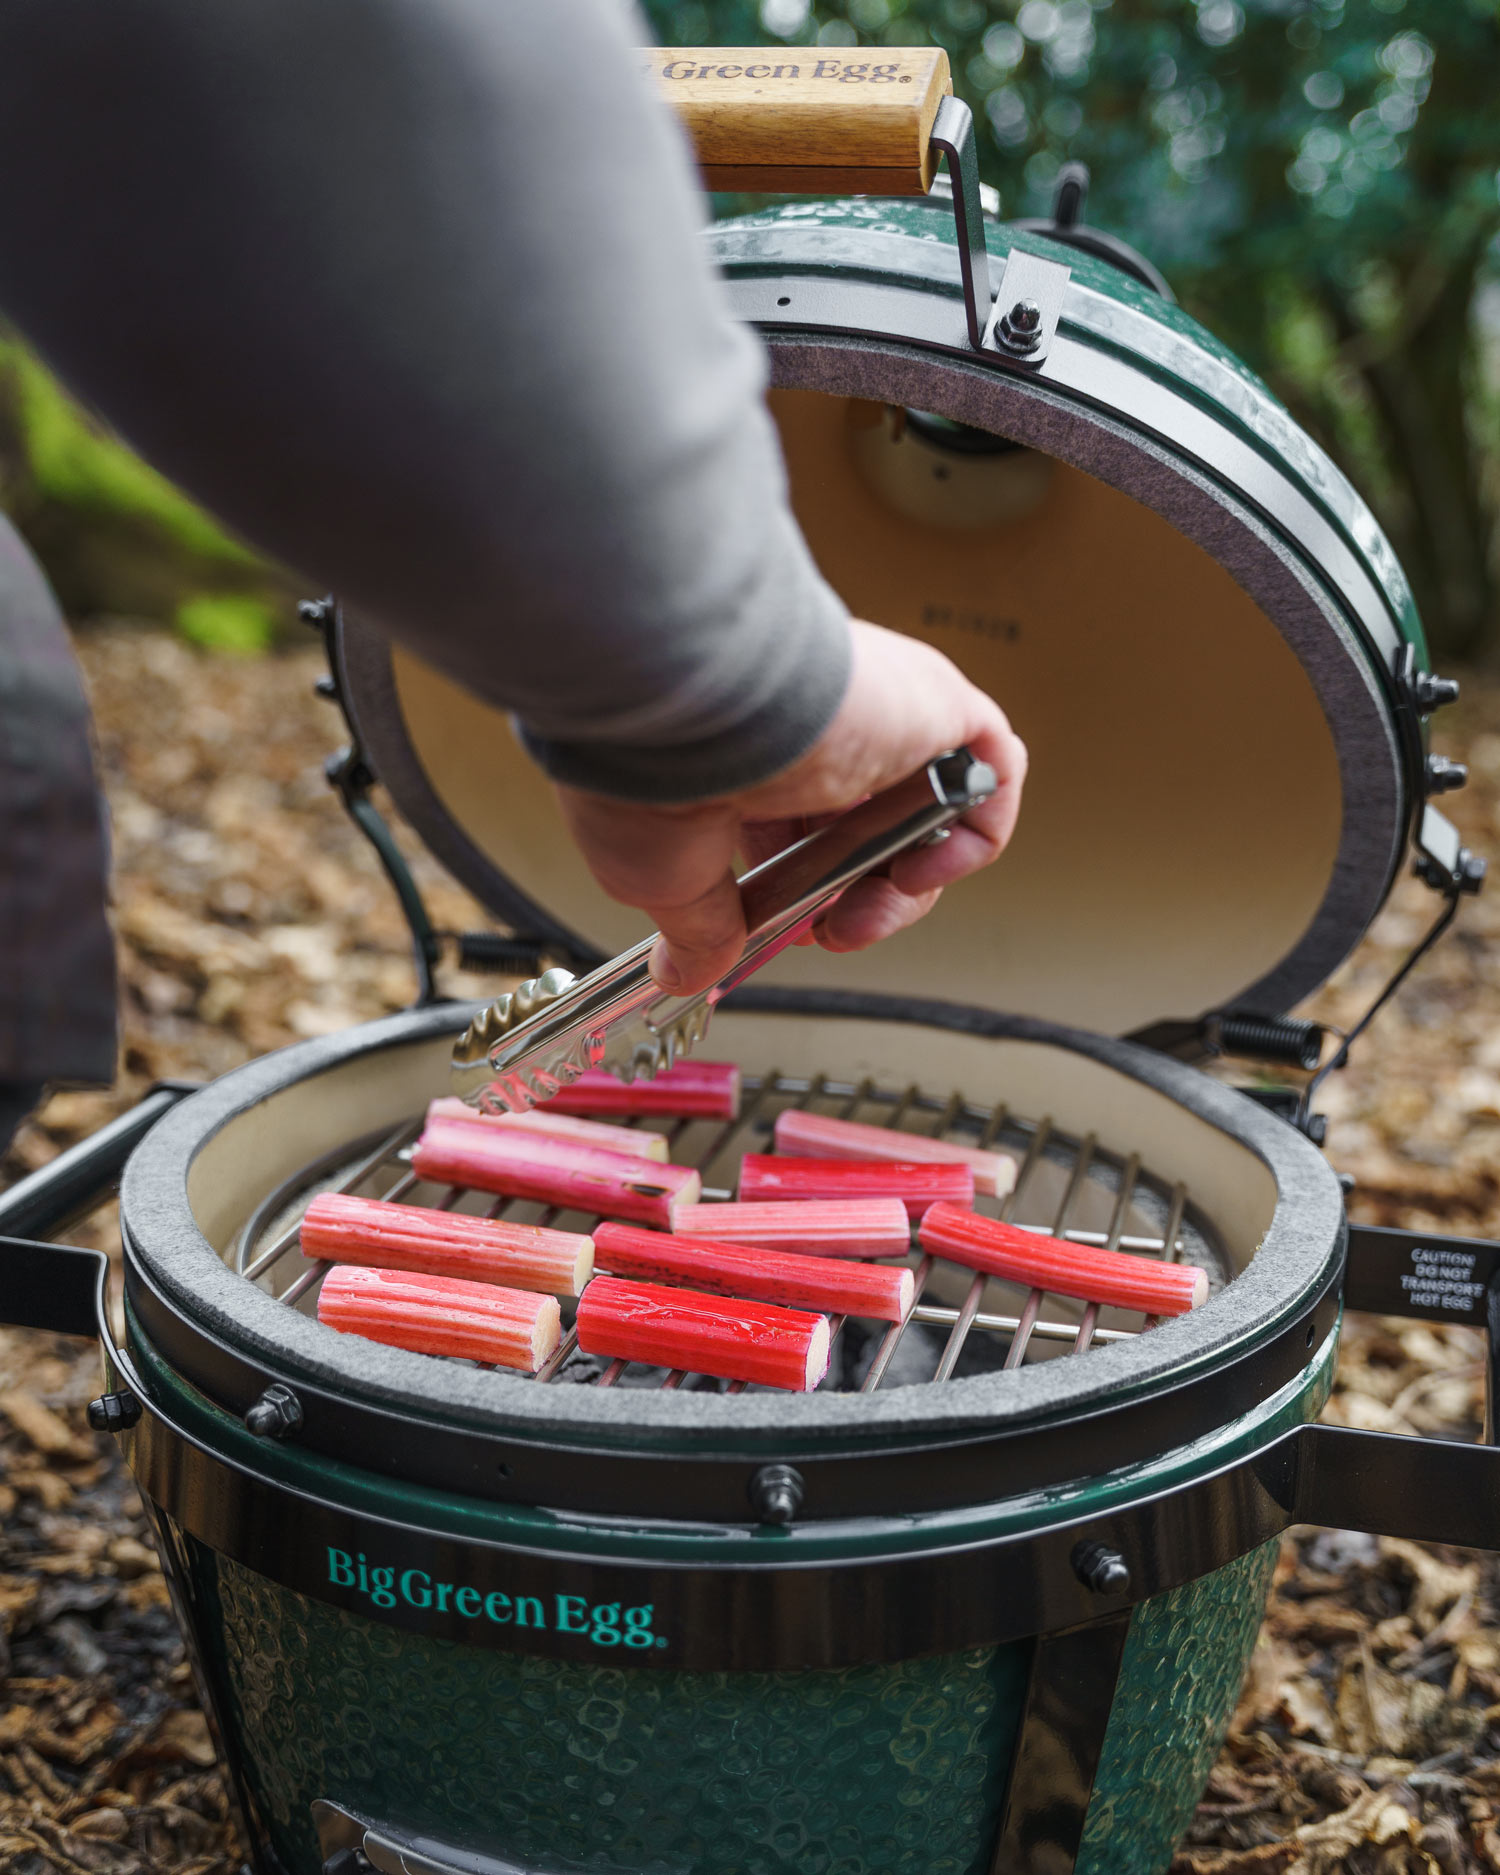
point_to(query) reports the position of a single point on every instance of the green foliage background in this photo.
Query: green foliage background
(1320, 179)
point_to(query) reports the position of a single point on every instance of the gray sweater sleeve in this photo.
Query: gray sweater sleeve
(410, 293)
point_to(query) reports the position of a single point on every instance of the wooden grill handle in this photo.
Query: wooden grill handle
(807, 120)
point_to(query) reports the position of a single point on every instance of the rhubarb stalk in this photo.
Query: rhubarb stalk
(698, 1090)
(876, 1292)
(855, 1227)
(1061, 1268)
(630, 1142)
(442, 1315)
(751, 1341)
(555, 1172)
(341, 1229)
(767, 1177)
(816, 1136)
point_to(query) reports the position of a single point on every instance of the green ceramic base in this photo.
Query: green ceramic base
(869, 1771)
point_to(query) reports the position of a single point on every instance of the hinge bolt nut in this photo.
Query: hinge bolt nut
(776, 1493)
(1021, 328)
(1434, 693)
(1100, 1568)
(1443, 775)
(275, 1414)
(316, 612)
(114, 1412)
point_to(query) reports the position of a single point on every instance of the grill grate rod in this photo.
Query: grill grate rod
(1089, 1325)
(372, 1163)
(892, 1336)
(939, 1315)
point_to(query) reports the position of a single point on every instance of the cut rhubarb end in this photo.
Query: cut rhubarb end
(908, 1294)
(818, 1349)
(690, 1194)
(1200, 1287)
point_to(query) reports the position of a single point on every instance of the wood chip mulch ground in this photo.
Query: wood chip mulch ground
(250, 915)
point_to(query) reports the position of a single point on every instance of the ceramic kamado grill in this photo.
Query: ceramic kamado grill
(980, 1604)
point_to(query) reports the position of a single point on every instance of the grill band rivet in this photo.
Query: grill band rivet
(776, 1493)
(1100, 1568)
(114, 1412)
(276, 1414)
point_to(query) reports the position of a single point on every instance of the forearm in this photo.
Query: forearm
(408, 292)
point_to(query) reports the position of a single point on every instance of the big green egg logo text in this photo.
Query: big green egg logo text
(605, 1624)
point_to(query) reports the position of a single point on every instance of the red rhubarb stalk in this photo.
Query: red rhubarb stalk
(442, 1315)
(371, 1231)
(555, 1172)
(765, 1177)
(876, 1292)
(698, 1090)
(626, 1140)
(1061, 1268)
(816, 1136)
(852, 1227)
(703, 1334)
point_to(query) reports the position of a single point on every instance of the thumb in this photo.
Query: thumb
(675, 864)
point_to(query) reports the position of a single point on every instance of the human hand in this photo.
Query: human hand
(905, 703)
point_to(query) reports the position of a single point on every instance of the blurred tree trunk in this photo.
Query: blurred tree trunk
(1418, 379)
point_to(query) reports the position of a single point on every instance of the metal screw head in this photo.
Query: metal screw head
(1443, 776)
(1100, 1568)
(1025, 316)
(114, 1412)
(775, 1493)
(1020, 329)
(275, 1414)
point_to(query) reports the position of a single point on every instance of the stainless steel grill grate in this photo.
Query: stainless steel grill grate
(1071, 1187)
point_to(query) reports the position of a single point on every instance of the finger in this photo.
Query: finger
(699, 940)
(872, 909)
(674, 863)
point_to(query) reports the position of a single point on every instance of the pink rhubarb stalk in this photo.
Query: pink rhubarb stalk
(816, 1136)
(442, 1315)
(555, 1172)
(751, 1341)
(876, 1292)
(698, 1090)
(767, 1177)
(853, 1227)
(1061, 1268)
(629, 1142)
(342, 1229)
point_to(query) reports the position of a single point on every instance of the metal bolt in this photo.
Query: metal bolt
(276, 1413)
(1020, 329)
(316, 612)
(1434, 693)
(114, 1412)
(1100, 1568)
(1443, 776)
(775, 1493)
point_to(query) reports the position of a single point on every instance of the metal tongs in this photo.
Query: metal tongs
(532, 1042)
